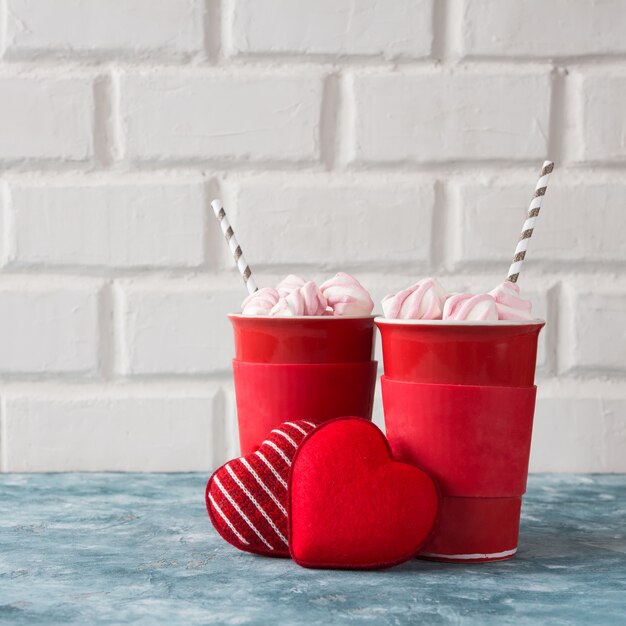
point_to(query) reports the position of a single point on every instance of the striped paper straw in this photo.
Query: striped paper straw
(235, 248)
(529, 224)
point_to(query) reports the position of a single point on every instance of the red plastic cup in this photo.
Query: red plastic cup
(459, 400)
(292, 368)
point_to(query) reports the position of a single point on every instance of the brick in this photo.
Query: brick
(356, 223)
(4, 235)
(575, 223)
(535, 28)
(451, 116)
(211, 116)
(46, 118)
(334, 27)
(173, 329)
(585, 434)
(48, 330)
(165, 28)
(105, 434)
(602, 124)
(596, 336)
(109, 225)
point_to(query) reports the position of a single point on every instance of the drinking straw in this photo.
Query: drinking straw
(529, 224)
(235, 248)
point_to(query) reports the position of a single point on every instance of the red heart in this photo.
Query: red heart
(351, 505)
(247, 497)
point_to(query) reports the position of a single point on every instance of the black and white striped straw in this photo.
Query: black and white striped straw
(529, 224)
(235, 248)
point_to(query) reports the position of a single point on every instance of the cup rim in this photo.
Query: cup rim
(537, 321)
(279, 318)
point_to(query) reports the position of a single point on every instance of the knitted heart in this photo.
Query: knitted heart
(351, 506)
(247, 497)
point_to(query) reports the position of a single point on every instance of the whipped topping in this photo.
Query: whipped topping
(305, 300)
(346, 296)
(509, 304)
(288, 284)
(466, 306)
(422, 301)
(260, 302)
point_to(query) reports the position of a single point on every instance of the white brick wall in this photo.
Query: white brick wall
(333, 27)
(111, 224)
(445, 115)
(46, 118)
(392, 139)
(200, 116)
(152, 28)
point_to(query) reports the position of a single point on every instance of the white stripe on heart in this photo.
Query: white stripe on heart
(228, 522)
(263, 486)
(252, 499)
(298, 428)
(241, 513)
(271, 468)
(280, 453)
(286, 436)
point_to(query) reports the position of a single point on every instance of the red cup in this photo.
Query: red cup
(459, 402)
(291, 368)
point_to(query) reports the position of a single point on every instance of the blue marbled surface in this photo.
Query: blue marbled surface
(131, 548)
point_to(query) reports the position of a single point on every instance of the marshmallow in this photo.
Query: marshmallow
(509, 304)
(346, 296)
(260, 302)
(465, 306)
(288, 284)
(305, 300)
(423, 300)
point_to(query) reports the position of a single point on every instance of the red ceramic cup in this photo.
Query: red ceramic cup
(459, 400)
(291, 368)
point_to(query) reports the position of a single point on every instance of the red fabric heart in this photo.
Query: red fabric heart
(351, 506)
(247, 497)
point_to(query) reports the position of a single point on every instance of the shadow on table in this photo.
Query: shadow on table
(545, 548)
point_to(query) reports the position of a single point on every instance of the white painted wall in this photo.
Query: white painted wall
(393, 139)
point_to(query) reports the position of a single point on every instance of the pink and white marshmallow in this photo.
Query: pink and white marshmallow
(422, 301)
(288, 284)
(509, 304)
(346, 296)
(471, 308)
(260, 302)
(305, 300)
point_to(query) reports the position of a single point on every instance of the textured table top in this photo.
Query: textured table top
(131, 548)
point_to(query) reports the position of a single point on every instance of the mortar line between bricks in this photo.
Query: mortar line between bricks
(106, 331)
(212, 238)
(118, 382)
(8, 227)
(102, 121)
(557, 125)
(212, 29)
(552, 328)
(572, 384)
(3, 435)
(558, 299)
(226, 19)
(4, 13)
(439, 229)
(189, 166)
(400, 268)
(330, 121)
(447, 14)
(579, 173)
(285, 64)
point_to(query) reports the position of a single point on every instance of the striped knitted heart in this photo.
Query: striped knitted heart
(247, 497)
